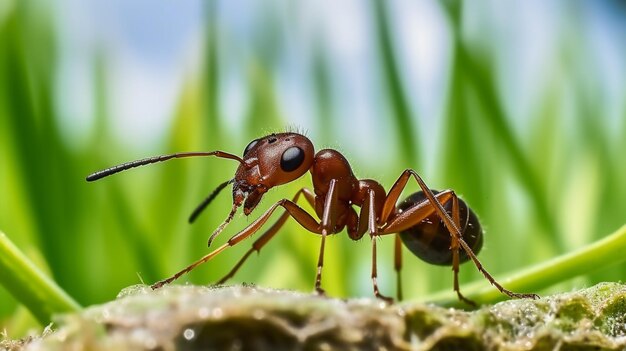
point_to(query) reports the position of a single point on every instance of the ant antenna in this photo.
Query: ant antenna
(146, 161)
(208, 200)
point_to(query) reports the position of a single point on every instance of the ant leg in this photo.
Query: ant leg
(397, 265)
(414, 214)
(375, 273)
(300, 215)
(394, 194)
(329, 218)
(454, 246)
(368, 212)
(187, 269)
(455, 268)
(455, 232)
(269, 234)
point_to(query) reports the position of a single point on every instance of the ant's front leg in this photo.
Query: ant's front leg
(299, 214)
(269, 234)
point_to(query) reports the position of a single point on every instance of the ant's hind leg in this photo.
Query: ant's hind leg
(450, 224)
(454, 246)
(453, 225)
(397, 265)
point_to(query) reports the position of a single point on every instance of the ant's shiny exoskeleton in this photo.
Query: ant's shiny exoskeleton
(436, 226)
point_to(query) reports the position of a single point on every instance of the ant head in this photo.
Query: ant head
(273, 160)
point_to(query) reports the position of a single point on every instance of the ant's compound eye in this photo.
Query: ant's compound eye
(250, 146)
(292, 159)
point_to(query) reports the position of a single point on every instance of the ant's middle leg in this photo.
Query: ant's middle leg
(269, 234)
(397, 223)
(368, 222)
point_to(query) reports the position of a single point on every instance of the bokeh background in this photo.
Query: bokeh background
(517, 105)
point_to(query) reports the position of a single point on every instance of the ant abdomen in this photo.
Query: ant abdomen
(430, 239)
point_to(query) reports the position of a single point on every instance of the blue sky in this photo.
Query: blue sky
(152, 47)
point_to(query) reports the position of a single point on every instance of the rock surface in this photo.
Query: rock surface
(253, 318)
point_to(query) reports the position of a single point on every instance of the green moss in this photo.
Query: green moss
(571, 312)
(245, 317)
(612, 318)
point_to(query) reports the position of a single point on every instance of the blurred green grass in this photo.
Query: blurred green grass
(540, 191)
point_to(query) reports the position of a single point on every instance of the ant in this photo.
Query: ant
(440, 235)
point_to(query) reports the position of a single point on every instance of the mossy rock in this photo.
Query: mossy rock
(252, 318)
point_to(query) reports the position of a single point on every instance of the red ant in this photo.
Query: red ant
(440, 235)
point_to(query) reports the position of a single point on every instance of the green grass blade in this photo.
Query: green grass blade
(477, 73)
(497, 120)
(323, 93)
(401, 111)
(593, 257)
(29, 285)
(211, 73)
(264, 113)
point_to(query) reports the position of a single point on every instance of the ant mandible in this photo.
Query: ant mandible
(438, 235)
